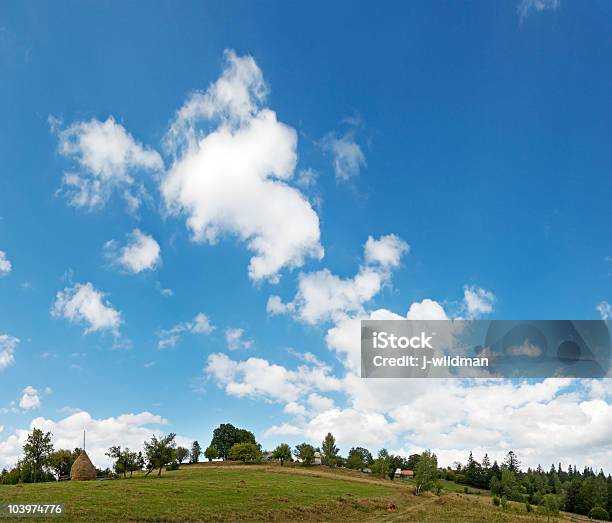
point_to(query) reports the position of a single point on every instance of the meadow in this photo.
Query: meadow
(232, 492)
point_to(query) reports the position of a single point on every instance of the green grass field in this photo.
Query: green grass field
(225, 492)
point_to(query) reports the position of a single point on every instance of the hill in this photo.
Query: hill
(229, 492)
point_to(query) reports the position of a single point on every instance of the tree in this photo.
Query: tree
(211, 453)
(550, 506)
(160, 452)
(512, 462)
(60, 462)
(132, 461)
(282, 453)
(36, 451)
(116, 455)
(305, 453)
(380, 466)
(226, 436)
(426, 472)
(329, 449)
(246, 452)
(196, 451)
(181, 454)
(412, 461)
(359, 458)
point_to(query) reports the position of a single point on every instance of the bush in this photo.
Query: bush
(527, 506)
(599, 513)
(504, 502)
(496, 501)
(438, 488)
(173, 466)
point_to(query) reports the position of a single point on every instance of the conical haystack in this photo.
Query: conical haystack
(82, 469)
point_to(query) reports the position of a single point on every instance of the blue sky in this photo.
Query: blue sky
(469, 142)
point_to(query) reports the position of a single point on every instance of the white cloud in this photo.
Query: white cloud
(8, 344)
(108, 157)
(234, 339)
(233, 179)
(386, 251)
(140, 253)
(83, 303)
(5, 264)
(258, 378)
(426, 310)
(605, 310)
(30, 399)
(527, 6)
(127, 430)
(477, 301)
(168, 338)
(348, 158)
(323, 296)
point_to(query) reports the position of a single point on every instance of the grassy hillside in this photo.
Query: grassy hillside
(260, 492)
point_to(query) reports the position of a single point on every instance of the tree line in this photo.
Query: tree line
(585, 492)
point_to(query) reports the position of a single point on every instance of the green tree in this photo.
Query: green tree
(305, 453)
(37, 449)
(246, 452)
(380, 466)
(60, 462)
(426, 472)
(282, 453)
(211, 453)
(359, 458)
(181, 454)
(160, 452)
(599, 513)
(115, 453)
(511, 462)
(195, 453)
(550, 506)
(226, 436)
(329, 449)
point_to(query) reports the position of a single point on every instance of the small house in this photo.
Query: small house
(406, 474)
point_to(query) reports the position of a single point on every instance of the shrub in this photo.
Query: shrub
(173, 466)
(599, 513)
(438, 488)
(527, 506)
(496, 501)
(504, 502)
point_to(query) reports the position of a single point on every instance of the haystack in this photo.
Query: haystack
(82, 469)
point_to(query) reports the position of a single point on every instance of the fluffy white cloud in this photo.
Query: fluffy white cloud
(30, 399)
(234, 339)
(477, 301)
(386, 251)
(5, 264)
(348, 158)
(258, 378)
(233, 179)
(8, 344)
(323, 296)
(168, 338)
(108, 156)
(140, 253)
(605, 310)
(426, 310)
(527, 6)
(127, 430)
(83, 303)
